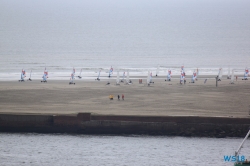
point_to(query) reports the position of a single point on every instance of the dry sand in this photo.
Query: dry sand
(160, 99)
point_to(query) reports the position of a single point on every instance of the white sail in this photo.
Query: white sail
(110, 71)
(99, 74)
(197, 73)
(23, 74)
(228, 74)
(72, 76)
(246, 73)
(148, 78)
(193, 77)
(80, 73)
(232, 77)
(30, 73)
(169, 75)
(220, 73)
(157, 70)
(123, 76)
(45, 75)
(117, 77)
(127, 79)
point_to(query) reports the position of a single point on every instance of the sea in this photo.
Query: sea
(129, 35)
(127, 150)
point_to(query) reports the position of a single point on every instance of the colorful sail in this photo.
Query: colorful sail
(110, 71)
(169, 75)
(246, 73)
(118, 77)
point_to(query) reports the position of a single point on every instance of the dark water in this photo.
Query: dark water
(62, 149)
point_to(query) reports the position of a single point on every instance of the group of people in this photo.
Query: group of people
(111, 97)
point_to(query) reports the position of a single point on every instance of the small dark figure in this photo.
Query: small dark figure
(118, 97)
(122, 96)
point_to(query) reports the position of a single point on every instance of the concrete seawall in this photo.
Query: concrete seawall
(85, 123)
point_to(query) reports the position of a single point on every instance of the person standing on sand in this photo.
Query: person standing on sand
(118, 97)
(122, 96)
(111, 97)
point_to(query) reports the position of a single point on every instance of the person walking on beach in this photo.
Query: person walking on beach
(122, 96)
(118, 97)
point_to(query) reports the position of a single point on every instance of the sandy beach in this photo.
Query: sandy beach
(162, 98)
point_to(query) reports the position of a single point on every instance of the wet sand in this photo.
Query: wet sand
(162, 98)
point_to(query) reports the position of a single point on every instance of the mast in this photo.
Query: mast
(99, 74)
(228, 74)
(30, 73)
(220, 74)
(148, 78)
(127, 79)
(232, 77)
(123, 76)
(238, 150)
(117, 77)
(81, 72)
(157, 70)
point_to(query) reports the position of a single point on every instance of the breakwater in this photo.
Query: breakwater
(86, 123)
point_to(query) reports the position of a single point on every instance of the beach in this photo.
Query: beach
(163, 98)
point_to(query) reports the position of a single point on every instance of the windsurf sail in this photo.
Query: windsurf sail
(110, 71)
(246, 74)
(182, 69)
(148, 78)
(80, 75)
(127, 79)
(197, 73)
(169, 75)
(118, 77)
(194, 77)
(232, 77)
(72, 76)
(23, 74)
(45, 74)
(182, 78)
(99, 74)
(228, 73)
(157, 70)
(123, 76)
(30, 73)
(220, 74)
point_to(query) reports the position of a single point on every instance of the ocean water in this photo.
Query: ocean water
(125, 34)
(62, 149)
